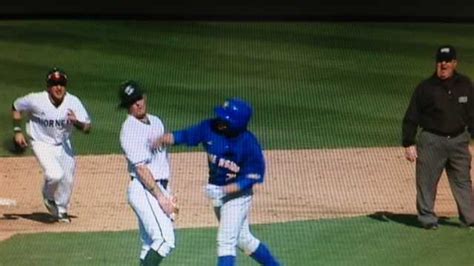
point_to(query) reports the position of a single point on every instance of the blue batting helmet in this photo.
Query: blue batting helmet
(235, 112)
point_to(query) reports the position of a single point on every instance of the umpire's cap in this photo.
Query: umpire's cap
(56, 76)
(445, 53)
(130, 92)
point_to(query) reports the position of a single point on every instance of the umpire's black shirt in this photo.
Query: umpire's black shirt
(442, 107)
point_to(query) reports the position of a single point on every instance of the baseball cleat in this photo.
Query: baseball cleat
(64, 218)
(51, 206)
(431, 226)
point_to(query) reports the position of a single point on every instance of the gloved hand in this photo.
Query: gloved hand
(216, 193)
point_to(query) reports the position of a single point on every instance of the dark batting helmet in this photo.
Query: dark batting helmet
(130, 92)
(56, 76)
(236, 112)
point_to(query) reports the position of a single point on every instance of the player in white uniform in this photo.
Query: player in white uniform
(149, 193)
(52, 115)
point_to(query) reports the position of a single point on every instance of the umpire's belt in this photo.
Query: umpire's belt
(447, 135)
(163, 182)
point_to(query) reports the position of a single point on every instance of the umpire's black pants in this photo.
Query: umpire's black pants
(435, 154)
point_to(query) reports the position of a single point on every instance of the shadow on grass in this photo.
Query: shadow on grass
(41, 217)
(407, 219)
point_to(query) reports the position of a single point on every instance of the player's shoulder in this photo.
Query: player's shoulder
(249, 134)
(36, 98)
(128, 124)
(72, 98)
(129, 121)
(155, 118)
(37, 95)
(250, 138)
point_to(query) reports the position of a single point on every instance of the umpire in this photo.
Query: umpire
(443, 107)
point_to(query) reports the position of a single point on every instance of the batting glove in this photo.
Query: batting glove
(214, 192)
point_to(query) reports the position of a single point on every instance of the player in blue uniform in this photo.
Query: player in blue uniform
(236, 163)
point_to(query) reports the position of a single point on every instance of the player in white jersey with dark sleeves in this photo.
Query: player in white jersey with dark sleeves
(51, 117)
(149, 193)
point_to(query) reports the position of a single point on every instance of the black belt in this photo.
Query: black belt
(447, 135)
(163, 182)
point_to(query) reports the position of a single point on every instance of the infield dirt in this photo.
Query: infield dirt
(299, 185)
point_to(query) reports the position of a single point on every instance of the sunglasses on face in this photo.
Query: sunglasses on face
(56, 83)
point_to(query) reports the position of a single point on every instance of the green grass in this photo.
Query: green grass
(313, 85)
(372, 240)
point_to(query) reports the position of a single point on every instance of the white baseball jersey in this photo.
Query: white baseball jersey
(136, 139)
(46, 122)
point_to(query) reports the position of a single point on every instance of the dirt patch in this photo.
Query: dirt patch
(300, 185)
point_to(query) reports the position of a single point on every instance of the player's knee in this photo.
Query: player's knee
(54, 176)
(248, 244)
(226, 249)
(163, 248)
(226, 244)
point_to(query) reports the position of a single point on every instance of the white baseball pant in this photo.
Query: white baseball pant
(234, 228)
(156, 228)
(58, 164)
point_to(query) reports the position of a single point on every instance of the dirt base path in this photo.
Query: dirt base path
(300, 185)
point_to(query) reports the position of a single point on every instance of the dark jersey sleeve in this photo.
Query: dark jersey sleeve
(470, 122)
(191, 136)
(253, 167)
(411, 120)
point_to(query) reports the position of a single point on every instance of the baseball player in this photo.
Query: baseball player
(236, 163)
(149, 193)
(52, 115)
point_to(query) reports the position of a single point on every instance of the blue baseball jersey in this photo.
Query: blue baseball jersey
(230, 159)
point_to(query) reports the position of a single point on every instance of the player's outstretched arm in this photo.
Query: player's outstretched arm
(166, 140)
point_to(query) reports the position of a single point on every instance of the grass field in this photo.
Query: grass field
(313, 85)
(356, 241)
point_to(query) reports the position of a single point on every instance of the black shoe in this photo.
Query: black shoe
(431, 226)
(51, 207)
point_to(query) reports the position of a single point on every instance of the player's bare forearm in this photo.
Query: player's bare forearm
(84, 127)
(16, 115)
(16, 120)
(149, 182)
(18, 137)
